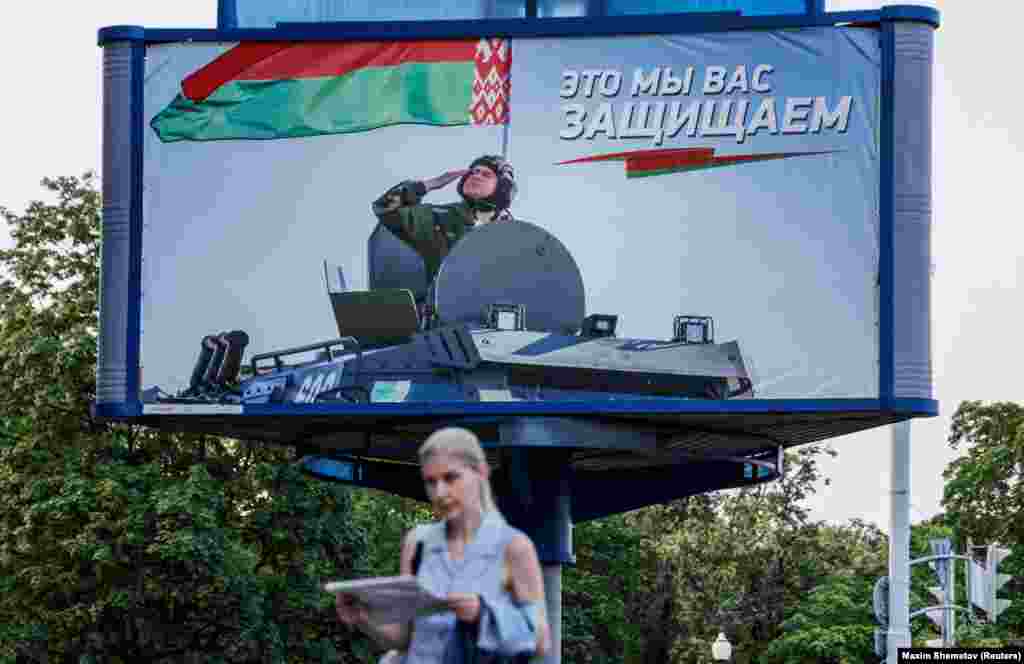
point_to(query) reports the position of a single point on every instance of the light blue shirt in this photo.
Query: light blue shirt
(507, 627)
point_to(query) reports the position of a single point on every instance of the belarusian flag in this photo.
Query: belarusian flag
(265, 90)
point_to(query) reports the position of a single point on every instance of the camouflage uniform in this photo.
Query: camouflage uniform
(431, 230)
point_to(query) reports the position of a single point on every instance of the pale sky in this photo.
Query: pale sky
(53, 85)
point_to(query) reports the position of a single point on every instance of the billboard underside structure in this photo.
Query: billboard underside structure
(697, 247)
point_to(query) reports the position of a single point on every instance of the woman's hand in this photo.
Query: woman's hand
(351, 611)
(443, 180)
(391, 657)
(465, 605)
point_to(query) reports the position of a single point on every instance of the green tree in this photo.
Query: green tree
(984, 494)
(764, 556)
(385, 518)
(599, 592)
(124, 544)
(736, 561)
(833, 625)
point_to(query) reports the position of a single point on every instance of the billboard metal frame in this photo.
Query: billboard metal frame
(120, 320)
(227, 10)
(582, 26)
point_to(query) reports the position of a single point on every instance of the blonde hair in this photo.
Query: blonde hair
(464, 446)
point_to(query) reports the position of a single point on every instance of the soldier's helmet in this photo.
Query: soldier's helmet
(504, 191)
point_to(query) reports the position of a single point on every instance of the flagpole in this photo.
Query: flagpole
(508, 109)
(489, 9)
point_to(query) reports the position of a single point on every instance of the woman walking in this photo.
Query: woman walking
(487, 570)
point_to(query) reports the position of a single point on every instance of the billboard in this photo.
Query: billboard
(732, 178)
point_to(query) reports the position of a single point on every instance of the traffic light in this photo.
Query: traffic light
(880, 601)
(996, 555)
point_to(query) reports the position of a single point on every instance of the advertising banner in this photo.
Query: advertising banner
(713, 198)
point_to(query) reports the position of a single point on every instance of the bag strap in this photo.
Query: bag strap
(417, 558)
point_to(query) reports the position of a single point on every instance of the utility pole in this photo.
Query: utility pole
(899, 543)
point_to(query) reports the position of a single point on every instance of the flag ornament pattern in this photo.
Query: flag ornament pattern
(491, 83)
(273, 90)
(647, 163)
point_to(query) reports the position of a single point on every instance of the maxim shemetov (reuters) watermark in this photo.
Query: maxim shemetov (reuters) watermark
(960, 655)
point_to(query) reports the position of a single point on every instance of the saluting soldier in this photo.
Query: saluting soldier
(487, 188)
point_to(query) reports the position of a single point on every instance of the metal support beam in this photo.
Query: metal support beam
(553, 601)
(532, 488)
(899, 543)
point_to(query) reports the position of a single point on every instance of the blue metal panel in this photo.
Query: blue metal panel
(912, 209)
(599, 494)
(572, 26)
(266, 13)
(885, 221)
(138, 71)
(112, 343)
(117, 350)
(911, 407)
(553, 8)
(484, 412)
(514, 27)
(117, 411)
(533, 489)
(399, 479)
(887, 198)
(745, 7)
(338, 470)
(918, 13)
(490, 410)
(227, 14)
(116, 33)
(580, 496)
(593, 494)
(510, 9)
(525, 27)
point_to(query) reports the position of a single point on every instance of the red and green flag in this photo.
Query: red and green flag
(267, 90)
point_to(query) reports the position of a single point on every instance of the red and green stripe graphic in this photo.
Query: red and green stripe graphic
(268, 90)
(646, 163)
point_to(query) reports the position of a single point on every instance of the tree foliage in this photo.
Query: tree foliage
(599, 593)
(984, 494)
(385, 518)
(124, 544)
(658, 584)
(832, 625)
(743, 560)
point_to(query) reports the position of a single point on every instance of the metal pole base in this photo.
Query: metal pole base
(531, 487)
(553, 597)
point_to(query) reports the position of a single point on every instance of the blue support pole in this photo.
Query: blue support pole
(532, 489)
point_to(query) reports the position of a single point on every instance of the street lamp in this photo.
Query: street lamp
(721, 649)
